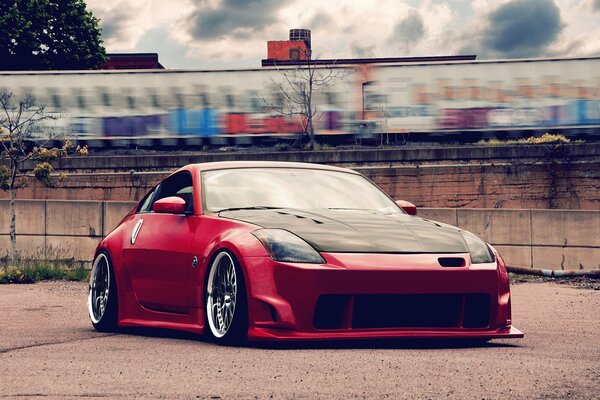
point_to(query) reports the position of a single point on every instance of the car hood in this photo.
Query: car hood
(359, 231)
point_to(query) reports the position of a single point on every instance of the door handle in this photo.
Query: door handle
(136, 230)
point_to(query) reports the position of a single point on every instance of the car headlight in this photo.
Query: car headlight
(284, 246)
(480, 251)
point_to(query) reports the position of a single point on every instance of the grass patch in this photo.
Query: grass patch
(522, 277)
(41, 272)
(546, 138)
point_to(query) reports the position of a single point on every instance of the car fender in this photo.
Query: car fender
(239, 243)
(113, 245)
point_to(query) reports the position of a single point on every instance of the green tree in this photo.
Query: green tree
(49, 34)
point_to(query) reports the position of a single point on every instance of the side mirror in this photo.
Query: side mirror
(407, 206)
(169, 205)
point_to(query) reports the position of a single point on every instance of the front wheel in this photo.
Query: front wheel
(102, 295)
(226, 309)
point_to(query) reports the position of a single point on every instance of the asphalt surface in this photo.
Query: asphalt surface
(48, 349)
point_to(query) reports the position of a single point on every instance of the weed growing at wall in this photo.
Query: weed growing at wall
(546, 138)
(41, 272)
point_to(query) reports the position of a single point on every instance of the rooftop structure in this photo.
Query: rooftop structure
(132, 61)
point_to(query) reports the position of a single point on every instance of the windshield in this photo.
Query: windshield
(291, 188)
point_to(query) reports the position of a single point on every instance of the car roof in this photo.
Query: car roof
(267, 164)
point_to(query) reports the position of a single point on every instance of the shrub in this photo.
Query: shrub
(546, 138)
(42, 172)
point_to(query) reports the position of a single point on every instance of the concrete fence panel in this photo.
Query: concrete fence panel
(502, 227)
(565, 228)
(445, 215)
(30, 217)
(573, 258)
(517, 256)
(80, 248)
(28, 246)
(114, 211)
(74, 218)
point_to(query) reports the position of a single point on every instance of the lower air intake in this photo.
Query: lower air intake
(402, 311)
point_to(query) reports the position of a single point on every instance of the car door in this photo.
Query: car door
(158, 253)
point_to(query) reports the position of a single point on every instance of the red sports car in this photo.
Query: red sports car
(291, 251)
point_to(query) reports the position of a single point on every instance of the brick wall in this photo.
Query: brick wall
(280, 49)
(500, 185)
(567, 185)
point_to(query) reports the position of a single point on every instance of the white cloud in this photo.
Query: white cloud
(344, 28)
(141, 16)
(581, 33)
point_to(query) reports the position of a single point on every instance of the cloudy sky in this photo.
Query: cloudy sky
(233, 33)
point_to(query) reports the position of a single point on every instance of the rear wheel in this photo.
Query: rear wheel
(226, 309)
(102, 295)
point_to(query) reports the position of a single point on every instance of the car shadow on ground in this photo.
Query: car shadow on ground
(161, 333)
(413, 343)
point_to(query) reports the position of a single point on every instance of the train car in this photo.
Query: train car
(413, 98)
(487, 95)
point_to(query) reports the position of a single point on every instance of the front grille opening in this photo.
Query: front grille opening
(332, 311)
(411, 310)
(451, 261)
(372, 311)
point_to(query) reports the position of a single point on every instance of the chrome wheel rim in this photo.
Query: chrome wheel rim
(99, 288)
(221, 294)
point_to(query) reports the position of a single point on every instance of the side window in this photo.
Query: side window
(177, 185)
(145, 203)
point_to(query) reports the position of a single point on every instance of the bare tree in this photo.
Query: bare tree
(298, 88)
(19, 122)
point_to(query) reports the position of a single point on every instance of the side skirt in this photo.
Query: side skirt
(133, 314)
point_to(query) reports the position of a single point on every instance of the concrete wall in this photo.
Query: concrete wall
(552, 239)
(58, 229)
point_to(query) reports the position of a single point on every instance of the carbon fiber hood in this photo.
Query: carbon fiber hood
(359, 231)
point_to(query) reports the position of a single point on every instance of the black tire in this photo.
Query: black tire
(103, 313)
(216, 299)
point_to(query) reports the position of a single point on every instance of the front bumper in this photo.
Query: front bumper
(288, 301)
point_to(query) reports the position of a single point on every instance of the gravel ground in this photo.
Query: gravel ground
(581, 282)
(49, 349)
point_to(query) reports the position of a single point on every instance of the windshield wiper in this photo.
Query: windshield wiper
(249, 208)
